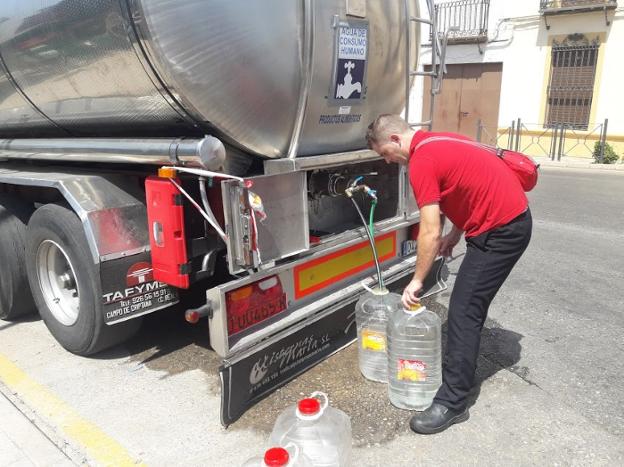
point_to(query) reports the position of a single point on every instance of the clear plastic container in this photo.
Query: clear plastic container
(414, 358)
(288, 456)
(371, 316)
(323, 433)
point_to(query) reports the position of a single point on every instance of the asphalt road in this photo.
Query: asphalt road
(550, 374)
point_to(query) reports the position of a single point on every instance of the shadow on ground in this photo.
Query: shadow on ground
(168, 344)
(29, 318)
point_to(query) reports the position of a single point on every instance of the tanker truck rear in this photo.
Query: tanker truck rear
(153, 151)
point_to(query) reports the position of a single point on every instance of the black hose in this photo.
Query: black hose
(372, 242)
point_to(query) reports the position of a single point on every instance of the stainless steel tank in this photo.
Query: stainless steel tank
(274, 77)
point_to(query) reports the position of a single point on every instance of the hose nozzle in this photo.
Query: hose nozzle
(371, 193)
(355, 187)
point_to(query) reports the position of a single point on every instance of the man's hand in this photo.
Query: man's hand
(410, 294)
(448, 242)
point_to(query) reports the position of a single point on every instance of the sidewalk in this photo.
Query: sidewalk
(578, 163)
(22, 444)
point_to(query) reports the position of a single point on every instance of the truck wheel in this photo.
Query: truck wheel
(65, 283)
(15, 297)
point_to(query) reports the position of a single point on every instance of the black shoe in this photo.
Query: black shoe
(437, 418)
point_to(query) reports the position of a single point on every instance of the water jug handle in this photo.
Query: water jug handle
(366, 287)
(325, 399)
(296, 450)
(381, 291)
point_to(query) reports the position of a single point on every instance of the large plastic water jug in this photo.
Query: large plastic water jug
(414, 357)
(322, 432)
(371, 317)
(287, 456)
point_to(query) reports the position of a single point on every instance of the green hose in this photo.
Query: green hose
(370, 217)
(371, 229)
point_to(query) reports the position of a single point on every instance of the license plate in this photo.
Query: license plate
(255, 314)
(408, 248)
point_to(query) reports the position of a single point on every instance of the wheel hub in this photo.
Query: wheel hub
(58, 283)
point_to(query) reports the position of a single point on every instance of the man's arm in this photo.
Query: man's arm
(429, 238)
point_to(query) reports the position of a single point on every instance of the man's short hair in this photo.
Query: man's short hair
(383, 126)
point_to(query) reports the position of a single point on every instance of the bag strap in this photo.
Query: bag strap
(497, 151)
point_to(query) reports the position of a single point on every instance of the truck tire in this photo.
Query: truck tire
(65, 283)
(15, 297)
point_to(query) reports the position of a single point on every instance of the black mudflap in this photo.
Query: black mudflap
(129, 288)
(254, 377)
(249, 380)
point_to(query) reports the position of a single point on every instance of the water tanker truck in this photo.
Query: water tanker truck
(153, 152)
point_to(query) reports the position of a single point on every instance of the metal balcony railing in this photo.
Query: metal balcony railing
(464, 20)
(550, 7)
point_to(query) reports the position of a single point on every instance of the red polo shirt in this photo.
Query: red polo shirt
(474, 188)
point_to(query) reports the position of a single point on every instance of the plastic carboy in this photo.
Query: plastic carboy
(288, 456)
(371, 316)
(414, 357)
(323, 433)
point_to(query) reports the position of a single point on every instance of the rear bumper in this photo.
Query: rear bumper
(316, 310)
(303, 306)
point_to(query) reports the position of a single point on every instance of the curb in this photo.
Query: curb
(64, 445)
(76, 437)
(580, 165)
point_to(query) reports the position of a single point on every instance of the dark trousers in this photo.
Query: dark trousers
(489, 259)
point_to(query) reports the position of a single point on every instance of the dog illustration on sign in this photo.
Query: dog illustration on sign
(345, 90)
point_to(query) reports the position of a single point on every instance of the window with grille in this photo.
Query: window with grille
(571, 84)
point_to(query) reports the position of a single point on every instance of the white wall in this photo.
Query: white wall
(524, 66)
(610, 99)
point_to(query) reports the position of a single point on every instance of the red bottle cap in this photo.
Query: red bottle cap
(309, 406)
(276, 457)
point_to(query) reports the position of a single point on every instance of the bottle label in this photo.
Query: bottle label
(411, 370)
(373, 340)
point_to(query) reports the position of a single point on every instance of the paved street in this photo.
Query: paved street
(550, 374)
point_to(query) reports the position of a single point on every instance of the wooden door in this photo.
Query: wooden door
(447, 103)
(470, 92)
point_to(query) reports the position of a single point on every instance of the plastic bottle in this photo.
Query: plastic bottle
(323, 433)
(280, 457)
(371, 317)
(414, 358)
